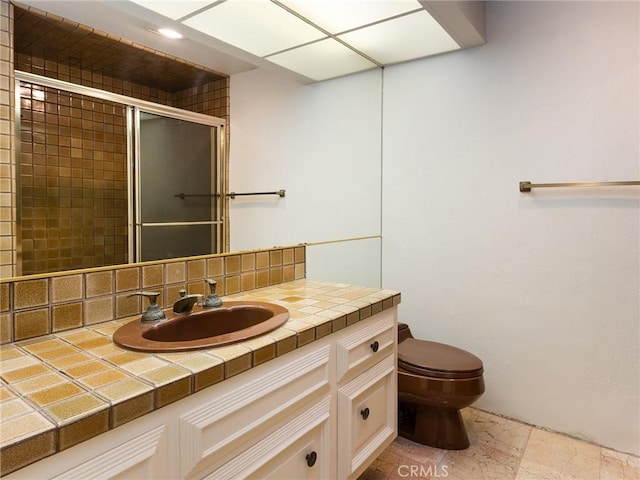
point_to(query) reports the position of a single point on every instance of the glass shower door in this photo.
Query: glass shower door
(177, 187)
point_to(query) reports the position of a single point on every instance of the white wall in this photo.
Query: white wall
(321, 143)
(544, 286)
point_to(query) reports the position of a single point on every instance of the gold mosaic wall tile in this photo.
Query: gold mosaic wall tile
(262, 260)
(30, 293)
(232, 264)
(196, 269)
(67, 288)
(288, 256)
(127, 279)
(4, 297)
(232, 285)
(248, 262)
(262, 278)
(152, 275)
(275, 258)
(99, 283)
(98, 310)
(67, 316)
(275, 275)
(288, 273)
(248, 281)
(176, 272)
(31, 323)
(7, 148)
(215, 267)
(6, 328)
(127, 305)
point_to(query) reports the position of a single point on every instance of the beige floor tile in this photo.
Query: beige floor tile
(619, 466)
(554, 456)
(504, 449)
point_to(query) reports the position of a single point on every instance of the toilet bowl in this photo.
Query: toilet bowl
(435, 381)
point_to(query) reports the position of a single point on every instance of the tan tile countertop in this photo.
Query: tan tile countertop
(62, 389)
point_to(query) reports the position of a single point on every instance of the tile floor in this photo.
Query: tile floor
(503, 449)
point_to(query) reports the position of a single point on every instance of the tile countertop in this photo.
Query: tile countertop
(62, 389)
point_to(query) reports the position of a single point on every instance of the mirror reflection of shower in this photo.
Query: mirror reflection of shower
(175, 156)
(97, 175)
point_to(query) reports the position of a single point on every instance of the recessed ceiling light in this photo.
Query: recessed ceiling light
(169, 33)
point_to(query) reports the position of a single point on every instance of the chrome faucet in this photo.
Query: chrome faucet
(185, 303)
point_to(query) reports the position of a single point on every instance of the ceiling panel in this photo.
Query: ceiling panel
(259, 27)
(337, 16)
(174, 9)
(322, 60)
(404, 38)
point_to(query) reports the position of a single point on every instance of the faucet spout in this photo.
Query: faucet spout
(185, 304)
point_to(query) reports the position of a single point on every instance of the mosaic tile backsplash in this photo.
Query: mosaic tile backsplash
(39, 305)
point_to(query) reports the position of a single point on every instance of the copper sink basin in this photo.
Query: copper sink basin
(231, 323)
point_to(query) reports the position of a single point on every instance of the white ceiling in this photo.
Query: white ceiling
(312, 40)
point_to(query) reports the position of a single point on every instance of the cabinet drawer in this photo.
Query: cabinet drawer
(373, 340)
(298, 451)
(217, 431)
(145, 456)
(368, 406)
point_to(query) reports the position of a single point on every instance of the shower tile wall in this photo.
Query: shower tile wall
(7, 184)
(73, 181)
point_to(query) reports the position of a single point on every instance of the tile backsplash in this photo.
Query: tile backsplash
(39, 304)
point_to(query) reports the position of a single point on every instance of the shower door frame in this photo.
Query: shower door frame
(219, 143)
(217, 173)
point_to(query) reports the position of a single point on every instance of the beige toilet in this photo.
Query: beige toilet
(435, 381)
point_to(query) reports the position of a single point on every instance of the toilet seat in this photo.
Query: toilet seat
(437, 360)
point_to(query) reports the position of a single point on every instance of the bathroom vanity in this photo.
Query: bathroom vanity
(324, 409)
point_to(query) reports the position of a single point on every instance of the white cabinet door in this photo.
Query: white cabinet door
(367, 422)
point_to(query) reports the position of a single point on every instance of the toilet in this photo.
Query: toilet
(435, 381)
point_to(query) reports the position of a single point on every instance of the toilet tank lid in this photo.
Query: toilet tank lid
(426, 355)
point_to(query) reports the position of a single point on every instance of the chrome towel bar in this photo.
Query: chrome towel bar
(280, 193)
(527, 186)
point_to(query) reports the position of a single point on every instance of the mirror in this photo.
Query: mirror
(289, 135)
(76, 198)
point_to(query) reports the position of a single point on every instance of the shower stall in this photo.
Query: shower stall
(105, 179)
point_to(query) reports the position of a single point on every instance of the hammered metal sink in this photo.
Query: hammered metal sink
(201, 329)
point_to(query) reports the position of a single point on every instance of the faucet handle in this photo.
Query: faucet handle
(153, 313)
(213, 300)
